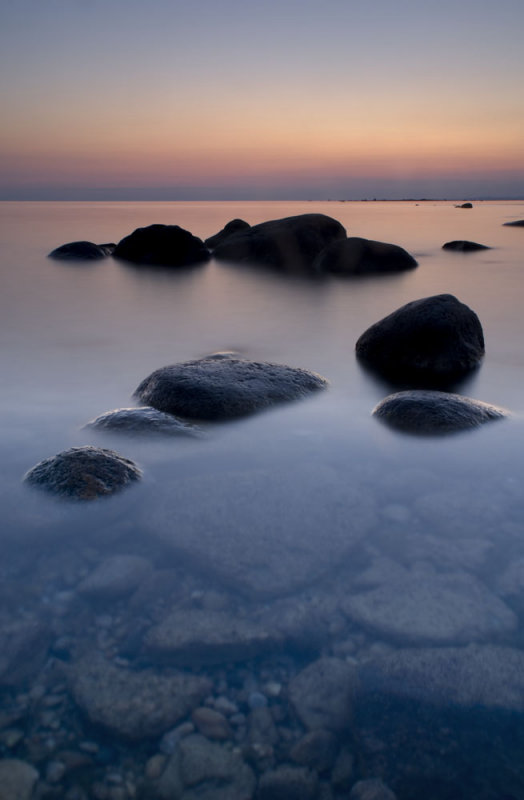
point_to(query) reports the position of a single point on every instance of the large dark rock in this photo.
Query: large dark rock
(463, 246)
(83, 473)
(235, 226)
(431, 341)
(291, 244)
(356, 256)
(144, 420)
(215, 388)
(162, 245)
(84, 251)
(518, 223)
(419, 411)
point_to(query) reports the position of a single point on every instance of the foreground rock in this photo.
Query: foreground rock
(145, 420)
(322, 695)
(432, 341)
(83, 251)
(17, 779)
(115, 577)
(235, 226)
(463, 246)
(482, 675)
(24, 645)
(216, 388)
(83, 473)
(518, 223)
(291, 244)
(426, 412)
(356, 256)
(423, 606)
(132, 704)
(162, 245)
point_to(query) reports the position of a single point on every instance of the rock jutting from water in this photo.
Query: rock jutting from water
(518, 223)
(465, 205)
(357, 256)
(290, 244)
(162, 245)
(432, 412)
(218, 388)
(82, 251)
(143, 420)
(463, 246)
(235, 226)
(83, 473)
(431, 341)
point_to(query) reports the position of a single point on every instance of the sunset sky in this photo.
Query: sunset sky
(275, 99)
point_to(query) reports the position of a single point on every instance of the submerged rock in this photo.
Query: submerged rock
(24, 645)
(322, 694)
(134, 704)
(83, 473)
(84, 251)
(288, 783)
(162, 245)
(463, 246)
(517, 223)
(356, 256)
(292, 243)
(17, 779)
(431, 340)
(371, 789)
(235, 226)
(427, 412)
(216, 388)
(144, 420)
(115, 577)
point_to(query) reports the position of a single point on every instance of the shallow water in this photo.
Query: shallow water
(300, 499)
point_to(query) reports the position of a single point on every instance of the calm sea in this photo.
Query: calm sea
(291, 501)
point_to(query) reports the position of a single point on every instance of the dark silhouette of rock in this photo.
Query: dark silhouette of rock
(430, 341)
(84, 251)
(291, 244)
(144, 420)
(419, 411)
(518, 223)
(463, 246)
(235, 226)
(465, 205)
(223, 387)
(162, 245)
(355, 256)
(83, 473)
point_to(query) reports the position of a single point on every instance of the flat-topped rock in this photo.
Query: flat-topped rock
(356, 256)
(162, 245)
(218, 387)
(235, 226)
(463, 246)
(142, 421)
(291, 243)
(82, 251)
(430, 412)
(83, 473)
(429, 341)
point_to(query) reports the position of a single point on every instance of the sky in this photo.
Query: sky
(261, 99)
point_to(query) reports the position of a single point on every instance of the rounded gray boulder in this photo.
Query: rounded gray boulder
(81, 251)
(162, 245)
(216, 388)
(430, 341)
(430, 412)
(357, 256)
(83, 473)
(142, 421)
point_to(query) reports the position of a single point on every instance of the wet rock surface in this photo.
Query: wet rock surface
(357, 256)
(83, 473)
(431, 340)
(83, 251)
(218, 388)
(162, 245)
(232, 227)
(463, 246)
(290, 244)
(427, 412)
(145, 420)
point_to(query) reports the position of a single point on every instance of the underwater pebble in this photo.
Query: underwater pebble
(256, 700)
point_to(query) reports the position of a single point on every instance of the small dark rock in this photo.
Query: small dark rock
(224, 388)
(463, 246)
(356, 256)
(518, 223)
(235, 226)
(83, 473)
(162, 245)
(419, 411)
(144, 420)
(465, 205)
(84, 251)
(432, 340)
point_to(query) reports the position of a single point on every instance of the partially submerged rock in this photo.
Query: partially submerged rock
(517, 223)
(431, 412)
(463, 246)
(356, 256)
(431, 340)
(143, 420)
(224, 388)
(465, 205)
(83, 473)
(291, 244)
(83, 251)
(162, 245)
(235, 226)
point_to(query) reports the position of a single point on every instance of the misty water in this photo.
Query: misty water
(401, 556)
